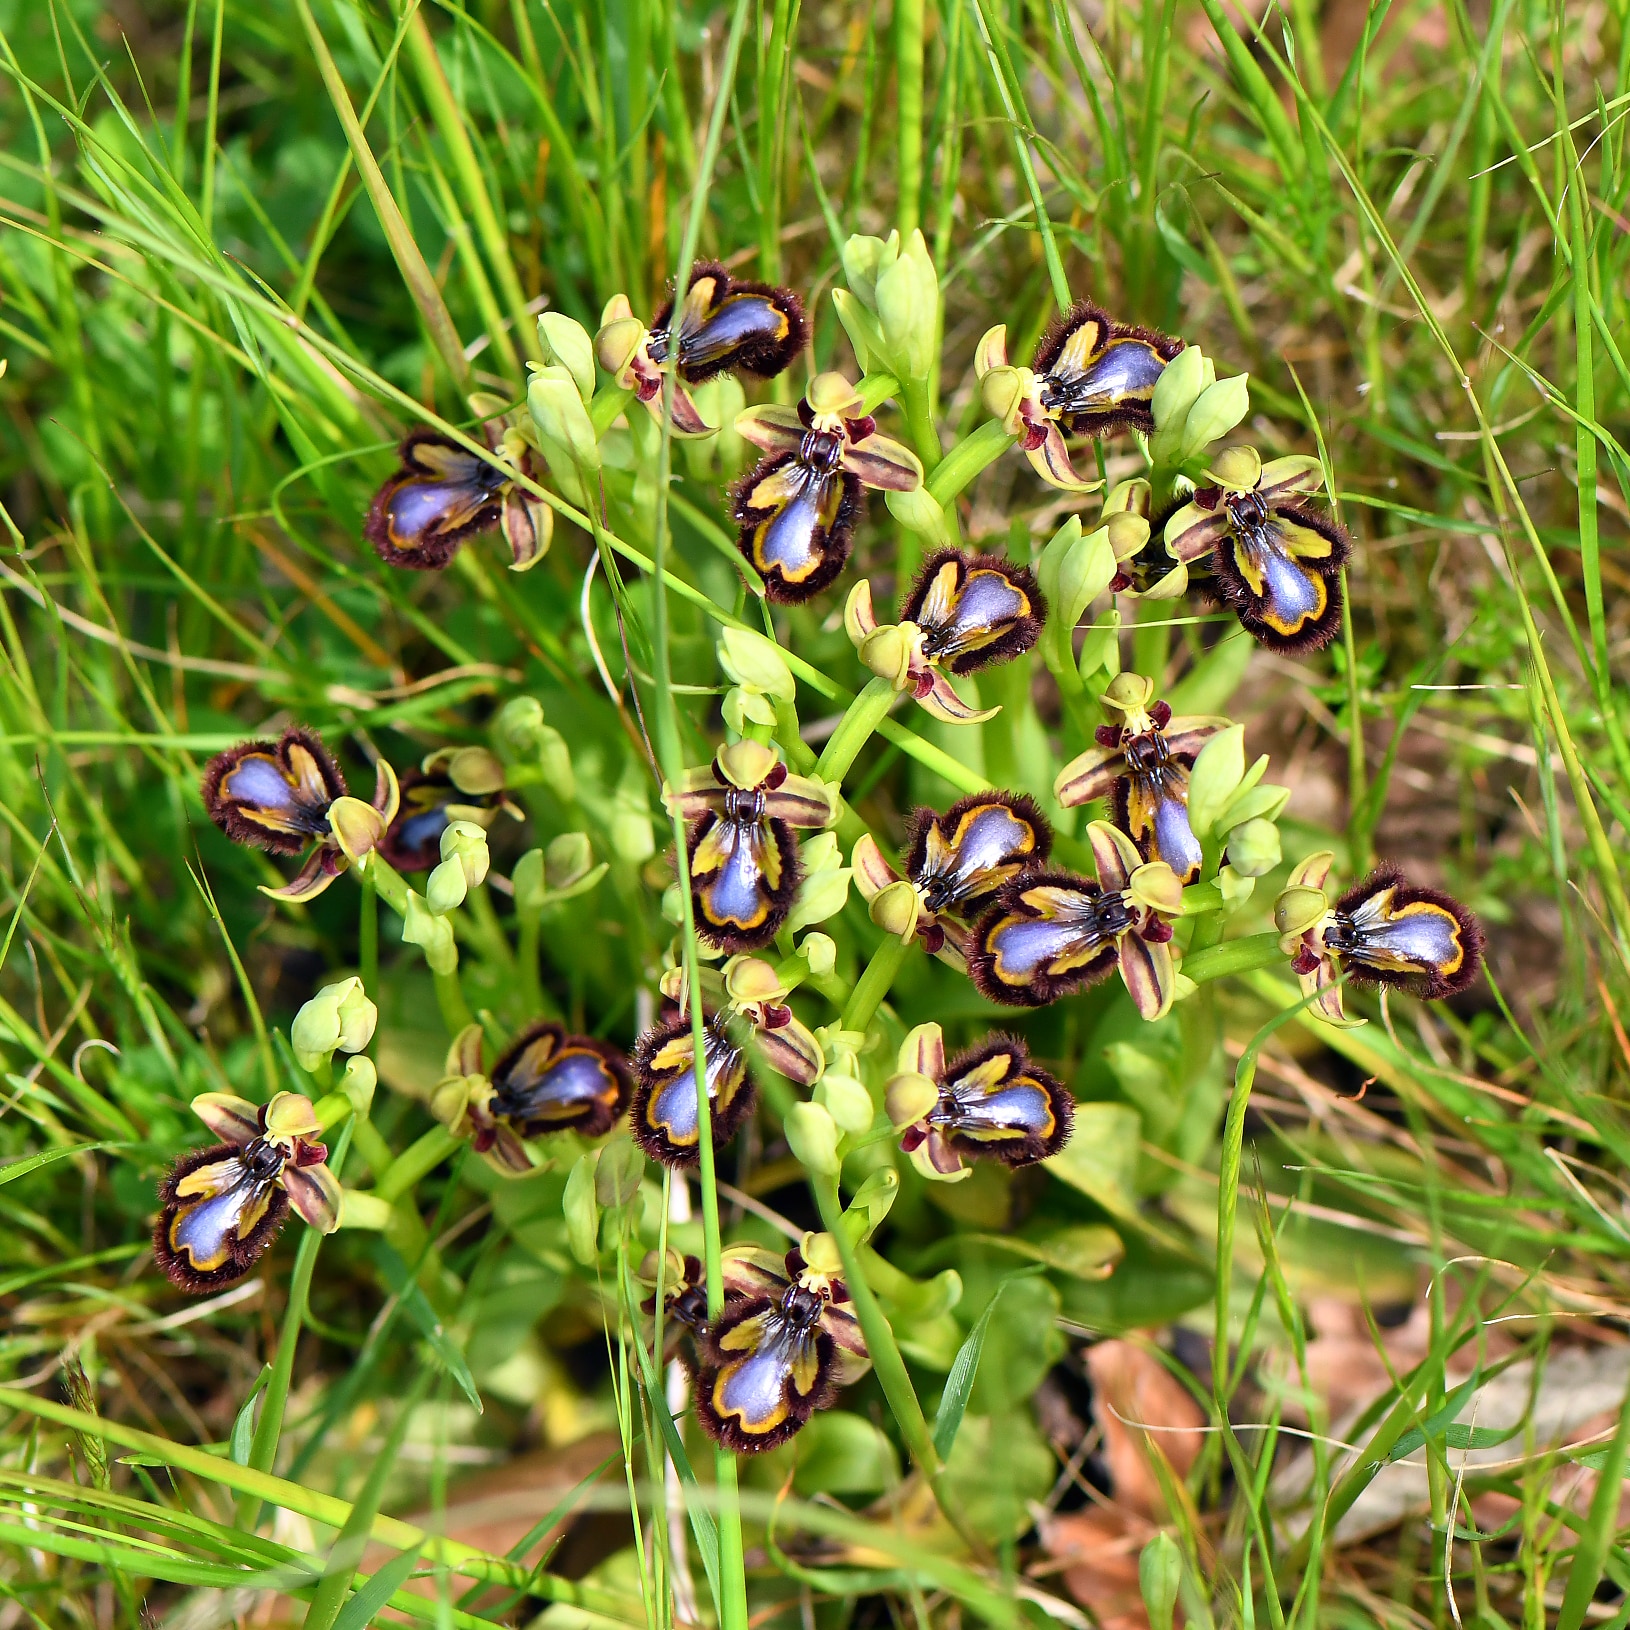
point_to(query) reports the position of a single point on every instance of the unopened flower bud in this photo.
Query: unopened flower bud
(1253, 848)
(812, 1135)
(632, 839)
(472, 770)
(339, 1018)
(862, 260)
(846, 1101)
(1180, 383)
(567, 860)
(921, 512)
(820, 951)
(1075, 568)
(432, 933)
(567, 343)
(752, 660)
(907, 301)
(1237, 467)
(1216, 411)
(562, 422)
(1216, 775)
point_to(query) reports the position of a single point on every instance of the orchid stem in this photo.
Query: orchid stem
(855, 729)
(1236, 956)
(874, 983)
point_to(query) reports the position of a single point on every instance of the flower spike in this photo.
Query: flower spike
(1382, 931)
(1051, 933)
(990, 1103)
(781, 1349)
(743, 857)
(798, 508)
(1277, 561)
(1144, 762)
(955, 862)
(222, 1206)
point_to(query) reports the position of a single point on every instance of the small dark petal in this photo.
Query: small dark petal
(740, 905)
(1158, 932)
(777, 776)
(548, 1081)
(748, 1398)
(970, 633)
(237, 1256)
(933, 938)
(663, 1119)
(1410, 957)
(274, 795)
(1107, 735)
(1161, 713)
(1119, 582)
(990, 837)
(1208, 497)
(757, 328)
(800, 546)
(1026, 1117)
(1007, 970)
(1305, 961)
(441, 495)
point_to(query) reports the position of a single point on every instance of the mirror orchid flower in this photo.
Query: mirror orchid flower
(726, 325)
(1383, 931)
(286, 794)
(442, 493)
(798, 508)
(545, 1081)
(745, 1010)
(1144, 762)
(1091, 376)
(955, 862)
(965, 612)
(222, 1206)
(784, 1344)
(989, 1103)
(1052, 932)
(744, 869)
(1277, 561)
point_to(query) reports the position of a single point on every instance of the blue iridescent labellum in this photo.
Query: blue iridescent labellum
(743, 857)
(1392, 932)
(1142, 765)
(960, 858)
(974, 610)
(441, 495)
(1277, 561)
(1050, 933)
(797, 513)
(665, 1121)
(798, 509)
(549, 1081)
(727, 324)
(778, 1352)
(221, 1207)
(274, 795)
(994, 1103)
(1097, 376)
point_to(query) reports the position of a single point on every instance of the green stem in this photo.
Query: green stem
(855, 729)
(888, 1362)
(874, 984)
(1236, 956)
(269, 1428)
(389, 883)
(1358, 838)
(414, 1162)
(455, 1011)
(968, 458)
(368, 935)
(908, 61)
(925, 436)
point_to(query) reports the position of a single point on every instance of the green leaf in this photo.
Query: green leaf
(361, 1610)
(1101, 1158)
(1438, 1423)
(1083, 1250)
(10, 1170)
(243, 1427)
(959, 1383)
